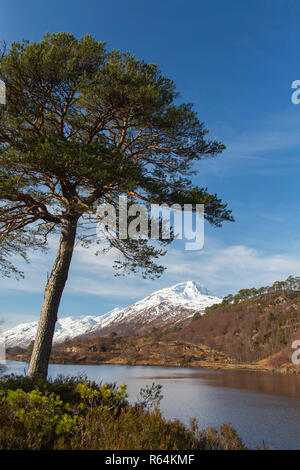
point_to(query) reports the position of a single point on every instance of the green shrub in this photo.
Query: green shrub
(270, 317)
(280, 336)
(103, 395)
(171, 329)
(33, 420)
(68, 388)
(137, 429)
(33, 416)
(150, 396)
(196, 316)
(213, 307)
(153, 330)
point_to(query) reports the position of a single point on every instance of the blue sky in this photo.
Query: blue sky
(235, 61)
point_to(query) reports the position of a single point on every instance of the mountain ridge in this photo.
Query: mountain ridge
(166, 307)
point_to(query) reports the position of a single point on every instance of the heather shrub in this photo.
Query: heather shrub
(71, 389)
(138, 429)
(74, 413)
(33, 420)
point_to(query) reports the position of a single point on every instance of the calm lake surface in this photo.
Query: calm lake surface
(261, 406)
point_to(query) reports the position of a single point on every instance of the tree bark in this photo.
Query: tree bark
(40, 356)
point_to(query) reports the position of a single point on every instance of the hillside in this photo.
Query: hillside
(137, 350)
(260, 328)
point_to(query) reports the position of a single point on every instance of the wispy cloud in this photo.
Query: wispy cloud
(272, 147)
(226, 269)
(222, 268)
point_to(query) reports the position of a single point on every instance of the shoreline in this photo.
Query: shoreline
(219, 366)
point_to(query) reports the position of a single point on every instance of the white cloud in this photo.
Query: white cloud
(226, 269)
(221, 268)
(12, 319)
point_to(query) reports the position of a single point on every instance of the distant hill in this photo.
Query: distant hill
(142, 350)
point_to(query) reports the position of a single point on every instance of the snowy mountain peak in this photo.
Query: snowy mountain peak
(165, 307)
(188, 289)
(188, 294)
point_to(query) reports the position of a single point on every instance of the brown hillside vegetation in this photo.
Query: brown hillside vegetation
(250, 330)
(147, 350)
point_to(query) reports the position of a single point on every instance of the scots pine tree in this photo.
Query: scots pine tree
(82, 126)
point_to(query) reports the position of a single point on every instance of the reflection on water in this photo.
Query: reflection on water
(261, 406)
(263, 382)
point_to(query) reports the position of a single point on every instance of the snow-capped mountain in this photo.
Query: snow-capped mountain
(166, 307)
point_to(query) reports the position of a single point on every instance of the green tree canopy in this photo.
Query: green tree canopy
(83, 126)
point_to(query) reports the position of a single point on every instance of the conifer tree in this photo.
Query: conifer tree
(82, 126)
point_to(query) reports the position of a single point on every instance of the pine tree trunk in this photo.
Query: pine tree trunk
(40, 356)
